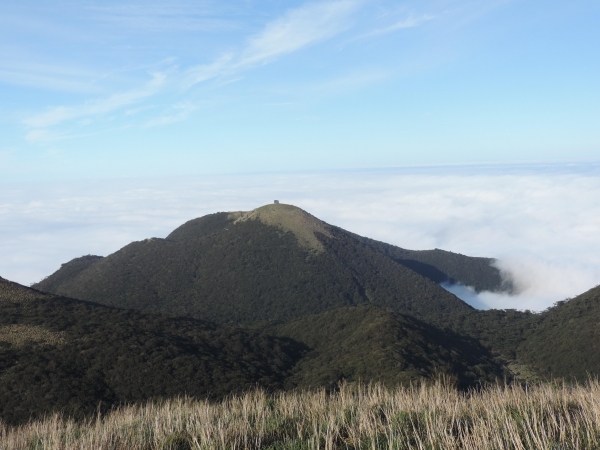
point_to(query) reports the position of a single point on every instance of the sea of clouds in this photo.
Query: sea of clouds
(541, 222)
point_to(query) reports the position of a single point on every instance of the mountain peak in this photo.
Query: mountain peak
(293, 219)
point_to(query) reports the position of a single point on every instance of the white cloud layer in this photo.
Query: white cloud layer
(542, 224)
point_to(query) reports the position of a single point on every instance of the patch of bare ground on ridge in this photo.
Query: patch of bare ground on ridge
(293, 219)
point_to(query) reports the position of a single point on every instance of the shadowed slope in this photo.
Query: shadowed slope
(370, 343)
(443, 266)
(67, 272)
(60, 354)
(565, 339)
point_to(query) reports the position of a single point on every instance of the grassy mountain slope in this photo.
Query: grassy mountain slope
(371, 343)
(276, 263)
(60, 354)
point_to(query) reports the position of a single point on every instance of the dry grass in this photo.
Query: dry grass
(293, 219)
(548, 416)
(15, 293)
(19, 335)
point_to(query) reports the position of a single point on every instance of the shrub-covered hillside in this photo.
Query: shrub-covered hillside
(61, 354)
(564, 341)
(276, 263)
(370, 343)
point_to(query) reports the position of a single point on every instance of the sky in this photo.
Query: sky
(459, 124)
(154, 88)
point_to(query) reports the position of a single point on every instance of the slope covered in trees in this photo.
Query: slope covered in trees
(276, 263)
(370, 343)
(60, 354)
(76, 357)
(564, 341)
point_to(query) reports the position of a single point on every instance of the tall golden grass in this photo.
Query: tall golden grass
(436, 416)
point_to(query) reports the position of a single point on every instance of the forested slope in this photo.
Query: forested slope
(276, 263)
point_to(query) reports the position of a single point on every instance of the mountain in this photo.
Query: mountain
(371, 343)
(276, 263)
(272, 297)
(564, 341)
(561, 342)
(59, 354)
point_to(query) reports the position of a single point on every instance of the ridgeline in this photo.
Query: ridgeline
(274, 264)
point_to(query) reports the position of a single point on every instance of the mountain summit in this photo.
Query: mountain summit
(275, 263)
(289, 218)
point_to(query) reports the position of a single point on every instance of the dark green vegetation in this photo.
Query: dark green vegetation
(370, 343)
(226, 270)
(564, 341)
(442, 266)
(561, 342)
(319, 305)
(61, 354)
(68, 271)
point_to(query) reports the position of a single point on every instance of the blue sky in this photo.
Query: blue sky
(105, 89)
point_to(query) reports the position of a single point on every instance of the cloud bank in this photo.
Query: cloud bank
(542, 225)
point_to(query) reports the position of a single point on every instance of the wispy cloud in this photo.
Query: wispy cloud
(344, 83)
(204, 72)
(41, 135)
(99, 106)
(408, 22)
(176, 113)
(164, 16)
(296, 29)
(59, 77)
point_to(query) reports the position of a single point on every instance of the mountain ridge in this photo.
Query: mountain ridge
(276, 262)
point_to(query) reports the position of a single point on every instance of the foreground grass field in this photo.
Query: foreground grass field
(548, 416)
